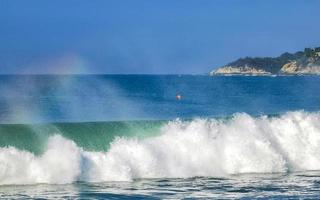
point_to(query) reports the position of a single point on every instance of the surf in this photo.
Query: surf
(285, 143)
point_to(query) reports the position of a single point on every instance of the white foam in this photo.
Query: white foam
(200, 147)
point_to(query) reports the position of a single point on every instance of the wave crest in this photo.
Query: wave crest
(202, 147)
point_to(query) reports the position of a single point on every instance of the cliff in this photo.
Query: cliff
(298, 67)
(301, 62)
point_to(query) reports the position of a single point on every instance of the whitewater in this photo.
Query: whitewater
(203, 147)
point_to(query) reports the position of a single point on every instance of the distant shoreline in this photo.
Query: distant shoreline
(305, 62)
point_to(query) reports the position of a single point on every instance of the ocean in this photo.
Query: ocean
(159, 137)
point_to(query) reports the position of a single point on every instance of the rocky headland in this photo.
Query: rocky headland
(305, 62)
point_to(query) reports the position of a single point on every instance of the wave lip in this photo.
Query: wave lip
(201, 147)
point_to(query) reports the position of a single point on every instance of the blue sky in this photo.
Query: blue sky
(149, 36)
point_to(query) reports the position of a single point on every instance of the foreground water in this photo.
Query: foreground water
(249, 186)
(119, 137)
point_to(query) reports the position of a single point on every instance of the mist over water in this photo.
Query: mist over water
(45, 98)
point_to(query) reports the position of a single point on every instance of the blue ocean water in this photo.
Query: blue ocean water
(129, 137)
(49, 98)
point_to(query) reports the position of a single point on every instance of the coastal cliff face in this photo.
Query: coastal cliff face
(295, 67)
(301, 62)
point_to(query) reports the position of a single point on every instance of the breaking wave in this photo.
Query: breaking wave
(201, 147)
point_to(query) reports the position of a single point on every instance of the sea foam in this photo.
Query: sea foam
(201, 147)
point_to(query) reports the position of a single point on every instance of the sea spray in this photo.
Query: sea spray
(201, 147)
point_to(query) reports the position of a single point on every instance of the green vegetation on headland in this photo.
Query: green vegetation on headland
(301, 62)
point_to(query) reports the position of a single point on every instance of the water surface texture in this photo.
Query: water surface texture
(128, 136)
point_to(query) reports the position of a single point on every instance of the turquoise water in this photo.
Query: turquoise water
(127, 136)
(92, 136)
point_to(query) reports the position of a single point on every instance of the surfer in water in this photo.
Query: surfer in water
(178, 97)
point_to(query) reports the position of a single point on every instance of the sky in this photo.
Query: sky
(149, 36)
